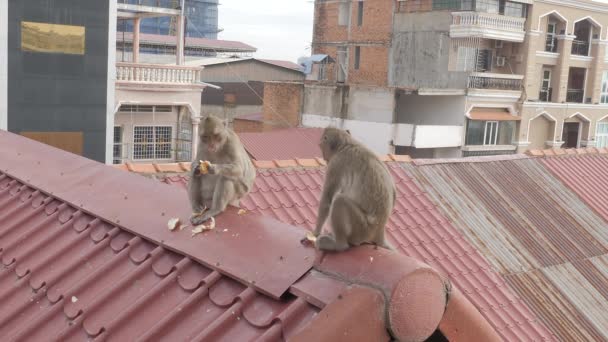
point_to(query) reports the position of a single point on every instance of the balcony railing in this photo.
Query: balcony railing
(489, 25)
(157, 74)
(580, 48)
(575, 95)
(551, 44)
(495, 81)
(545, 94)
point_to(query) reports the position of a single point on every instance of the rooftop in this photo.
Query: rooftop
(223, 60)
(524, 237)
(203, 43)
(86, 254)
(291, 143)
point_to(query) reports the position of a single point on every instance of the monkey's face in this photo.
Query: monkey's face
(331, 140)
(213, 135)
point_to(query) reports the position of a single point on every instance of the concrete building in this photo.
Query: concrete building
(56, 73)
(437, 78)
(241, 91)
(202, 18)
(156, 106)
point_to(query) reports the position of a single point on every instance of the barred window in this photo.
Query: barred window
(152, 142)
(117, 156)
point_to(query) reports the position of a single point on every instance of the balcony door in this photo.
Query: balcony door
(545, 87)
(571, 135)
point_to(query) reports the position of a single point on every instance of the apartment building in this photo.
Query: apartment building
(450, 78)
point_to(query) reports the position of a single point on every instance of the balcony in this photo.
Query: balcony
(580, 48)
(495, 81)
(575, 96)
(161, 75)
(487, 25)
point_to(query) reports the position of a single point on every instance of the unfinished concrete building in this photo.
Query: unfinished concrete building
(450, 78)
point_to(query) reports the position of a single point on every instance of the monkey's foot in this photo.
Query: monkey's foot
(200, 219)
(328, 243)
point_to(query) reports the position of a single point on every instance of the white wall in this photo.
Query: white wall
(110, 103)
(3, 64)
(438, 136)
(371, 104)
(376, 136)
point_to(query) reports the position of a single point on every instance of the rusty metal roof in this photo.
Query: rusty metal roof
(291, 194)
(550, 247)
(86, 254)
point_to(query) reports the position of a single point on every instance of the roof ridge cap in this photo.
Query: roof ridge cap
(566, 152)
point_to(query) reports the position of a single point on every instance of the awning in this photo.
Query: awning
(492, 114)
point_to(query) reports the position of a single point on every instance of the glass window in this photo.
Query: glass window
(117, 145)
(488, 6)
(489, 133)
(513, 9)
(602, 135)
(604, 92)
(465, 5)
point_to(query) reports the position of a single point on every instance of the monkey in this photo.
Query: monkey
(358, 194)
(230, 174)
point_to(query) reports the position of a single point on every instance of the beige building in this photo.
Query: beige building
(451, 78)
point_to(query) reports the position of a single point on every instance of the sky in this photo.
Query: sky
(280, 29)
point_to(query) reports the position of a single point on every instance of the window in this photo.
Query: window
(513, 9)
(117, 145)
(357, 57)
(342, 68)
(487, 6)
(551, 44)
(344, 14)
(464, 5)
(604, 92)
(360, 14)
(601, 137)
(489, 133)
(473, 59)
(545, 86)
(152, 142)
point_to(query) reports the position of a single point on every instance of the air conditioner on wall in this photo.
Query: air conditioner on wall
(501, 61)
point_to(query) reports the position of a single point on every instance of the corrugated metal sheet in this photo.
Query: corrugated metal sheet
(532, 229)
(283, 144)
(581, 174)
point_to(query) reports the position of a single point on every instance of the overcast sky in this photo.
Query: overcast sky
(280, 29)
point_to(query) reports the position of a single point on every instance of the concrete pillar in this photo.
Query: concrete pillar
(195, 122)
(532, 76)
(136, 29)
(563, 67)
(597, 69)
(180, 39)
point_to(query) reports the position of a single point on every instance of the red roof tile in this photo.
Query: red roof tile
(86, 254)
(283, 144)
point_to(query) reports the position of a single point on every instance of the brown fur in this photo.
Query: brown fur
(358, 194)
(231, 173)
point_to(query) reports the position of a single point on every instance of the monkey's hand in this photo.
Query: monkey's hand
(309, 240)
(197, 220)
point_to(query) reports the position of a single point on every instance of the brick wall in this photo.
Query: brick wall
(245, 126)
(372, 36)
(282, 104)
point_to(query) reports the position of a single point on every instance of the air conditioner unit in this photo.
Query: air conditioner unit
(501, 61)
(499, 44)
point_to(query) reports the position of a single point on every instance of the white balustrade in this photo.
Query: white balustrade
(488, 20)
(161, 74)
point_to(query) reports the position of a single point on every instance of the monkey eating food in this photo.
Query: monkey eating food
(358, 194)
(222, 172)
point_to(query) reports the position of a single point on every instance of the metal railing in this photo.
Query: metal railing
(489, 20)
(178, 150)
(487, 153)
(575, 95)
(153, 73)
(545, 94)
(495, 81)
(551, 44)
(580, 48)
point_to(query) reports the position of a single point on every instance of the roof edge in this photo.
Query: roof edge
(561, 152)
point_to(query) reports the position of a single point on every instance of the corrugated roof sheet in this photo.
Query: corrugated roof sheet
(583, 174)
(283, 143)
(535, 232)
(416, 227)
